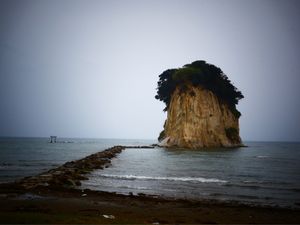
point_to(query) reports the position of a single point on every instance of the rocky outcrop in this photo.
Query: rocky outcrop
(196, 119)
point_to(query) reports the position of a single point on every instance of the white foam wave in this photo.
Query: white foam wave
(195, 179)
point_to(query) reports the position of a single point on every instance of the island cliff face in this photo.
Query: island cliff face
(201, 104)
(196, 119)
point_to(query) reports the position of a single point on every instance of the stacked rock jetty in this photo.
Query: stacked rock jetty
(71, 173)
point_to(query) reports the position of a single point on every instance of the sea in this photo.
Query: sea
(263, 173)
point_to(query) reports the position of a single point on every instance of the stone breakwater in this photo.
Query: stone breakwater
(71, 173)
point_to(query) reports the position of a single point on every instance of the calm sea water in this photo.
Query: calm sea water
(263, 173)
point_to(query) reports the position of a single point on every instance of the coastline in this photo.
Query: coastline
(51, 197)
(63, 205)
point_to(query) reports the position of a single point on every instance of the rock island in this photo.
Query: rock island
(201, 107)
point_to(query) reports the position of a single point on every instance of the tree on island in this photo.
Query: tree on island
(199, 74)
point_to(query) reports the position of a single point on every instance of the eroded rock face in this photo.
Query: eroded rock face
(196, 119)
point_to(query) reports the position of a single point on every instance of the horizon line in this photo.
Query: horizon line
(114, 138)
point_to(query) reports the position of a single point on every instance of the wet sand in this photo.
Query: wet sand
(65, 206)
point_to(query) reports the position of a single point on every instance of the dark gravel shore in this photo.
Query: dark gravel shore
(52, 197)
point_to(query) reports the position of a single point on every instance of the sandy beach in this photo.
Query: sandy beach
(71, 206)
(53, 197)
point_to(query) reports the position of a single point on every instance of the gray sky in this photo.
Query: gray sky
(90, 68)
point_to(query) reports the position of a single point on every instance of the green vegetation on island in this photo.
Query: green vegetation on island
(202, 74)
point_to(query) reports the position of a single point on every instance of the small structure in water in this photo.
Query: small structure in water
(53, 139)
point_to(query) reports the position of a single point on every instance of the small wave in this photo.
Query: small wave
(259, 182)
(5, 165)
(243, 186)
(262, 156)
(133, 187)
(264, 185)
(195, 179)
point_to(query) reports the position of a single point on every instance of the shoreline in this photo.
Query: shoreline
(64, 205)
(52, 197)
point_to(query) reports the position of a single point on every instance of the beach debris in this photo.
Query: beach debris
(109, 216)
(70, 182)
(83, 195)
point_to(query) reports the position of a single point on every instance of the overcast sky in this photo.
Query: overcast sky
(90, 68)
